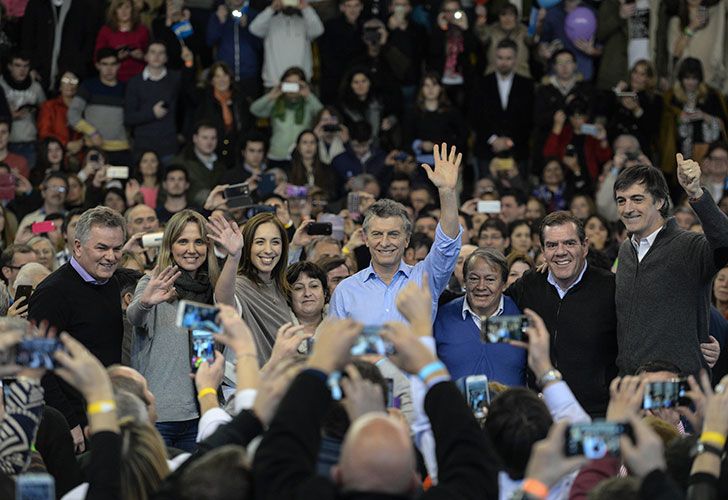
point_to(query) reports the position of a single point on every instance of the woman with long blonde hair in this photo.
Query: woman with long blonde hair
(186, 270)
(143, 460)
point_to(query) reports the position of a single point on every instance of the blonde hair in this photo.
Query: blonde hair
(172, 232)
(143, 460)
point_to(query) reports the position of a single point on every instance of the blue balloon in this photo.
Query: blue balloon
(580, 24)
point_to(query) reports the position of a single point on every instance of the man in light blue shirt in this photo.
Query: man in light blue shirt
(369, 295)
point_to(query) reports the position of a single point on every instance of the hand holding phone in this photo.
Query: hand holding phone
(42, 227)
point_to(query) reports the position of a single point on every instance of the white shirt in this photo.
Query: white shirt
(562, 291)
(476, 317)
(643, 246)
(147, 75)
(208, 162)
(504, 87)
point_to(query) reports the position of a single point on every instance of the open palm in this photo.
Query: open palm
(161, 287)
(447, 168)
(228, 235)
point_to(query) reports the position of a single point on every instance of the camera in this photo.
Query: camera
(196, 316)
(504, 328)
(595, 440)
(666, 394)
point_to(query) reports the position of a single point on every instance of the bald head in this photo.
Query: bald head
(31, 274)
(124, 378)
(377, 456)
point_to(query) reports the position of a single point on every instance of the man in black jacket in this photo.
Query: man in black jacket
(502, 111)
(576, 301)
(377, 454)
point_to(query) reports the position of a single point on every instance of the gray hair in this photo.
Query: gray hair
(130, 407)
(359, 182)
(494, 258)
(31, 274)
(385, 209)
(13, 324)
(98, 216)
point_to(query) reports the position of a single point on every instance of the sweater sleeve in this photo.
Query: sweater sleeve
(314, 26)
(23, 409)
(261, 24)
(75, 116)
(262, 107)
(136, 313)
(134, 113)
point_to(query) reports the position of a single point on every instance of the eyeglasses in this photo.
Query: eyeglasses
(57, 189)
(69, 80)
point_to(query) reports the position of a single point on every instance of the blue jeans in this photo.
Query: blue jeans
(181, 435)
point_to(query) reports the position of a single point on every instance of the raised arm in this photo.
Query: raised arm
(229, 236)
(445, 179)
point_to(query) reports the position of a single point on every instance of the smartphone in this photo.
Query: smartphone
(152, 240)
(237, 195)
(503, 164)
(666, 394)
(35, 486)
(23, 291)
(29, 107)
(477, 394)
(290, 88)
(626, 93)
(332, 127)
(45, 226)
(353, 204)
(489, 207)
(337, 225)
(37, 352)
(371, 342)
(595, 440)
(203, 348)
(94, 156)
(504, 328)
(196, 316)
(319, 229)
(251, 212)
(117, 172)
(401, 156)
(570, 150)
(267, 184)
(290, 3)
(296, 191)
(458, 14)
(392, 400)
(590, 129)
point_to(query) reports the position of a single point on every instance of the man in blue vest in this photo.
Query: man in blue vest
(458, 323)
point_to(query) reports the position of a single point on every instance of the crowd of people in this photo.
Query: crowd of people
(390, 178)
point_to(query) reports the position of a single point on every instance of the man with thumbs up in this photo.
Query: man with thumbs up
(664, 272)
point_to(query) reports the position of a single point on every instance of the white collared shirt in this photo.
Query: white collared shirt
(504, 87)
(208, 162)
(476, 317)
(643, 246)
(561, 291)
(147, 75)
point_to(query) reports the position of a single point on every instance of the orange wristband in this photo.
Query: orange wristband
(535, 488)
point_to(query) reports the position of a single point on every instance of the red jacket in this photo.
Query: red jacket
(53, 121)
(136, 39)
(594, 154)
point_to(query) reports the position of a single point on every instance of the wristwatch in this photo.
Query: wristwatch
(702, 447)
(552, 375)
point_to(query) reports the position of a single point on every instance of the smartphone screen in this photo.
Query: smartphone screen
(267, 184)
(35, 486)
(504, 328)
(197, 316)
(595, 440)
(37, 352)
(203, 348)
(666, 394)
(371, 342)
(477, 393)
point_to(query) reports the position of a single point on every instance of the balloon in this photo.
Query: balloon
(580, 24)
(547, 4)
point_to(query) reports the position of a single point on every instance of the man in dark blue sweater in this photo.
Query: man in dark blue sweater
(458, 323)
(150, 106)
(82, 298)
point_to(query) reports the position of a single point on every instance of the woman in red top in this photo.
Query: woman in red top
(53, 116)
(125, 33)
